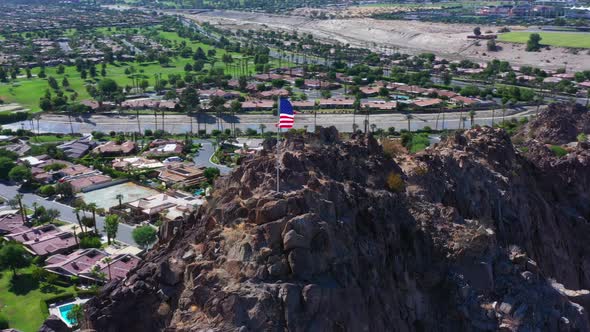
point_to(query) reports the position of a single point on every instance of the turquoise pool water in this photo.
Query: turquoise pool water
(64, 310)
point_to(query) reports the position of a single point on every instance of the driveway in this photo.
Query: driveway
(66, 212)
(203, 158)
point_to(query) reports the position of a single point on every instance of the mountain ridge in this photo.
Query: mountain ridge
(465, 236)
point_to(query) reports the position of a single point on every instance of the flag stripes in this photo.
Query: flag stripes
(287, 117)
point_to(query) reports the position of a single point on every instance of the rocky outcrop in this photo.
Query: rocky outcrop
(54, 324)
(536, 201)
(473, 240)
(559, 124)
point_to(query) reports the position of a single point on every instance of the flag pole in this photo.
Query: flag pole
(278, 140)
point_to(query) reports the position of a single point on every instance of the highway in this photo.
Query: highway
(180, 123)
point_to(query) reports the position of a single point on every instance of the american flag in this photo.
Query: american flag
(287, 117)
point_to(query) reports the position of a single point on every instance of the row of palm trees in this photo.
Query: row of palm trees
(409, 117)
(86, 222)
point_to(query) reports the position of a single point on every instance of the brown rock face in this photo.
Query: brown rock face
(470, 245)
(559, 124)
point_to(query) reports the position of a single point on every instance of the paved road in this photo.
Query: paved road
(66, 212)
(180, 123)
(203, 158)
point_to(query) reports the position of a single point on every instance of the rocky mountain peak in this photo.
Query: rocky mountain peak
(464, 236)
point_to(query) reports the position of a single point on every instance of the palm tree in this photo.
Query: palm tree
(77, 212)
(493, 116)
(69, 110)
(262, 126)
(461, 104)
(108, 261)
(163, 129)
(409, 117)
(315, 114)
(189, 112)
(119, 197)
(32, 124)
(74, 228)
(35, 207)
(23, 212)
(236, 107)
(199, 111)
(138, 122)
(367, 120)
(437, 117)
(472, 117)
(92, 208)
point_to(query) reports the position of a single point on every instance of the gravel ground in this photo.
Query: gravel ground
(447, 40)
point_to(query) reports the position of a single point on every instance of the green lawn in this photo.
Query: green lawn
(563, 39)
(419, 142)
(52, 138)
(27, 92)
(20, 300)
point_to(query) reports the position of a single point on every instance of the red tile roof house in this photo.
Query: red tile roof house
(441, 93)
(234, 84)
(425, 103)
(148, 103)
(33, 233)
(113, 149)
(89, 264)
(267, 77)
(162, 147)
(81, 183)
(12, 223)
(568, 76)
(369, 90)
(75, 170)
(303, 104)
(466, 101)
(336, 103)
(74, 263)
(118, 269)
(380, 105)
(394, 85)
(411, 89)
(253, 105)
(344, 78)
(94, 105)
(207, 94)
(317, 84)
(51, 244)
(252, 87)
(40, 175)
(274, 93)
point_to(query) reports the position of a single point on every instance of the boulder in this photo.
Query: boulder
(54, 324)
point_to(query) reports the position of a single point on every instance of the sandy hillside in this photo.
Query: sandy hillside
(447, 40)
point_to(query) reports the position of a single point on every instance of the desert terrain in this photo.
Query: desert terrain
(413, 37)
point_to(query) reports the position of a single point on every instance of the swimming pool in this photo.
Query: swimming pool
(64, 310)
